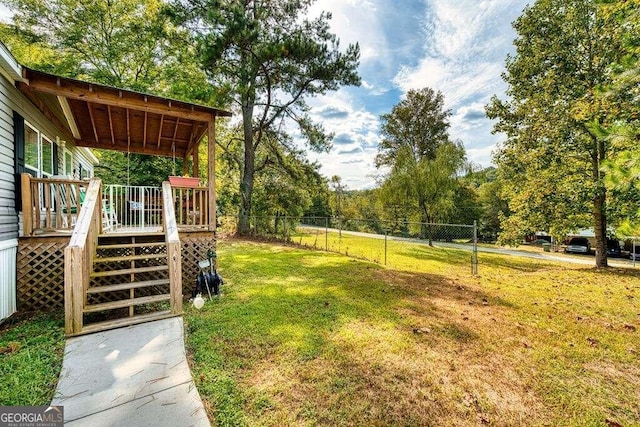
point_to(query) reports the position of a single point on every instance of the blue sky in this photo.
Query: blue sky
(458, 47)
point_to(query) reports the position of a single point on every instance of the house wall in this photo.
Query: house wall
(8, 214)
(12, 100)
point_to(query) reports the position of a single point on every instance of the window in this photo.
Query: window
(85, 171)
(68, 163)
(47, 156)
(39, 153)
(31, 151)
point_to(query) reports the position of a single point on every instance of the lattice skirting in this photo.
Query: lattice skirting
(41, 268)
(41, 273)
(194, 249)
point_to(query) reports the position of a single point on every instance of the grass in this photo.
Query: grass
(303, 337)
(31, 350)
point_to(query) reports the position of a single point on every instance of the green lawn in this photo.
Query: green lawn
(302, 337)
(31, 350)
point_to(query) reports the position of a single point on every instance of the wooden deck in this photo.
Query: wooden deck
(91, 269)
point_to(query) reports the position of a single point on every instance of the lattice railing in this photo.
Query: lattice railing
(50, 204)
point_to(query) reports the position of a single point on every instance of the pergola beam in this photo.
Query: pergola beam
(164, 152)
(93, 122)
(113, 137)
(41, 82)
(144, 136)
(160, 129)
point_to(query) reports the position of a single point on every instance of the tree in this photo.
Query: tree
(551, 160)
(288, 188)
(127, 43)
(271, 56)
(119, 43)
(423, 161)
(623, 169)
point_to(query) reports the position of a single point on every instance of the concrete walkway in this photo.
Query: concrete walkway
(133, 376)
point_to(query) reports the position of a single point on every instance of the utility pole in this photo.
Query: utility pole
(338, 187)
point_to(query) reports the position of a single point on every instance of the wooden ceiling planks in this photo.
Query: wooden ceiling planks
(125, 121)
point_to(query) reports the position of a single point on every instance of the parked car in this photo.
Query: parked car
(613, 248)
(578, 245)
(635, 255)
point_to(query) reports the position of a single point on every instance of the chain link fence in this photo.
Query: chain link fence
(372, 240)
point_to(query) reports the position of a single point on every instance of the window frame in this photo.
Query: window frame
(67, 168)
(44, 139)
(30, 167)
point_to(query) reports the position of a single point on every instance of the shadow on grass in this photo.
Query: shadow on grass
(294, 307)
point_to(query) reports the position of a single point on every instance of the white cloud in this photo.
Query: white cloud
(482, 155)
(465, 49)
(355, 22)
(457, 47)
(357, 138)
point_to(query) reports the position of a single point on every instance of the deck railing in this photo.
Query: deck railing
(50, 204)
(78, 257)
(132, 207)
(53, 205)
(191, 207)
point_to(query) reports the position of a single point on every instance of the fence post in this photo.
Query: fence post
(474, 259)
(326, 234)
(385, 246)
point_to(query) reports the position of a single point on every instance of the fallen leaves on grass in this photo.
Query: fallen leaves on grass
(593, 342)
(12, 347)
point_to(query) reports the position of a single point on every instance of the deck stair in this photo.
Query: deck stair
(129, 282)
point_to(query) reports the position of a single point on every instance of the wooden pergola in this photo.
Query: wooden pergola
(98, 116)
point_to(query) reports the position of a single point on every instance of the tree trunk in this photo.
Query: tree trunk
(426, 229)
(599, 215)
(600, 226)
(248, 172)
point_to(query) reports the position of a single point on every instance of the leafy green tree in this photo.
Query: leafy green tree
(116, 167)
(127, 43)
(119, 43)
(485, 202)
(551, 161)
(423, 161)
(623, 168)
(284, 187)
(270, 56)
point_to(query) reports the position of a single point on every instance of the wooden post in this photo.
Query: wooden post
(211, 162)
(174, 249)
(27, 204)
(196, 162)
(74, 271)
(78, 258)
(185, 163)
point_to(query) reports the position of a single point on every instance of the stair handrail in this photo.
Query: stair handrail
(78, 257)
(174, 248)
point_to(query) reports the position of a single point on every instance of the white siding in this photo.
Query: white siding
(8, 251)
(8, 215)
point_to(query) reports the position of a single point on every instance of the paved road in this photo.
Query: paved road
(572, 259)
